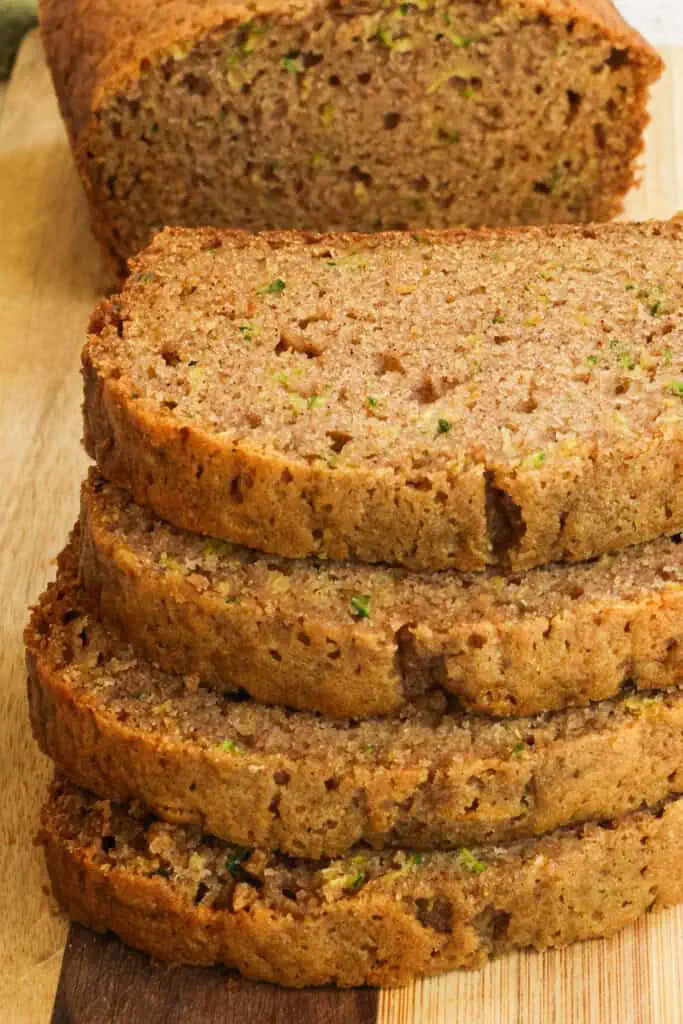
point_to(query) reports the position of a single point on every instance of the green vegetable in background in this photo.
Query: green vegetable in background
(16, 18)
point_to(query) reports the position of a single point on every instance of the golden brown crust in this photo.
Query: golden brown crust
(559, 889)
(100, 48)
(369, 517)
(96, 47)
(597, 496)
(295, 783)
(159, 462)
(287, 633)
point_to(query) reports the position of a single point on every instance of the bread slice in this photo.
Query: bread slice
(447, 400)
(313, 787)
(350, 640)
(348, 116)
(372, 918)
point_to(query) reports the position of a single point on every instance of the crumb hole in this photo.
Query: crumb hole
(574, 101)
(356, 174)
(420, 483)
(309, 59)
(338, 440)
(237, 485)
(170, 356)
(436, 914)
(289, 341)
(529, 405)
(617, 58)
(391, 363)
(428, 390)
(196, 85)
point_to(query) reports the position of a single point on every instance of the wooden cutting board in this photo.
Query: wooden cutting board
(50, 276)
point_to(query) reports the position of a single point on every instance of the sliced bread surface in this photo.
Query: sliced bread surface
(311, 786)
(351, 640)
(444, 400)
(374, 918)
(349, 115)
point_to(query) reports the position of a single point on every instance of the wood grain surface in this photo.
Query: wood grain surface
(102, 982)
(50, 275)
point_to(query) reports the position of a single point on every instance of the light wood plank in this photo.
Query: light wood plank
(633, 978)
(50, 272)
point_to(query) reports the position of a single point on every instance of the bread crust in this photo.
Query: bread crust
(597, 497)
(266, 632)
(374, 517)
(97, 49)
(432, 780)
(564, 887)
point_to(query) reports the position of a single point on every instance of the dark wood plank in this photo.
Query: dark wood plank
(104, 982)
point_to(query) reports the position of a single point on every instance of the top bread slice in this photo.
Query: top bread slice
(326, 115)
(453, 399)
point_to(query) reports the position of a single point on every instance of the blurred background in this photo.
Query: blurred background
(16, 18)
(660, 20)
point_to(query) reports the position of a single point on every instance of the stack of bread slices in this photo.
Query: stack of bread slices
(363, 659)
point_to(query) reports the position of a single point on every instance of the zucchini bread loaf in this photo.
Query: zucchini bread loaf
(313, 787)
(370, 918)
(443, 400)
(353, 116)
(354, 640)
